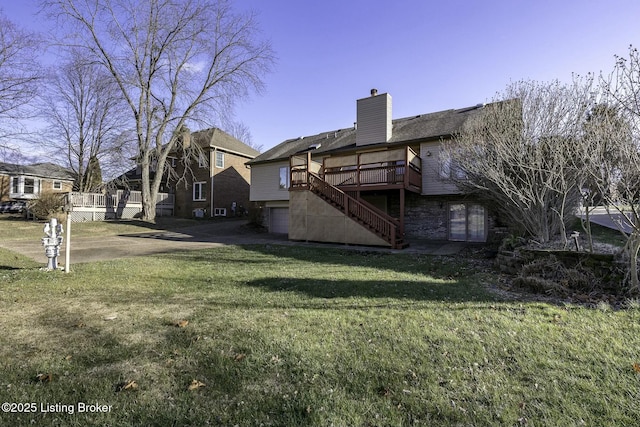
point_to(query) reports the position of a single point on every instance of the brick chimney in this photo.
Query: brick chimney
(373, 119)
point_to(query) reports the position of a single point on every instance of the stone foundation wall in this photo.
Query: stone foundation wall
(424, 218)
(428, 217)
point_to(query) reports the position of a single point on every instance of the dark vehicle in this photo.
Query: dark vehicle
(12, 207)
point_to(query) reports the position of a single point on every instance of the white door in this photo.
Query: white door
(279, 220)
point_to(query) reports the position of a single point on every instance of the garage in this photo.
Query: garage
(279, 220)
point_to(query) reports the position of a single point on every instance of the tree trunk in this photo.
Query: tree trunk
(634, 244)
(148, 200)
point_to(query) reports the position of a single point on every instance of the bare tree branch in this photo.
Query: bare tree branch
(518, 155)
(84, 110)
(19, 77)
(173, 62)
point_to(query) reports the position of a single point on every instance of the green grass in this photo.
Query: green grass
(13, 227)
(289, 336)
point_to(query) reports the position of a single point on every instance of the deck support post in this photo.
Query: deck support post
(402, 201)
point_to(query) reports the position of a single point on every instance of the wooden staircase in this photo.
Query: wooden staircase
(376, 221)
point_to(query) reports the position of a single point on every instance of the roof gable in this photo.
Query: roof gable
(216, 138)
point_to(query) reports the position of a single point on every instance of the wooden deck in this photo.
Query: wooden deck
(119, 205)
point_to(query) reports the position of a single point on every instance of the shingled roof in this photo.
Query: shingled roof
(40, 170)
(423, 127)
(214, 137)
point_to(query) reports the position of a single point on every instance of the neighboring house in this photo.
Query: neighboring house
(218, 183)
(27, 182)
(382, 182)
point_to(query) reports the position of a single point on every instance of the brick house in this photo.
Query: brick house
(218, 185)
(382, 182)
(28, 182)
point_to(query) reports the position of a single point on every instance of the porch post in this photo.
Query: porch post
(405, 178)
(402, 213)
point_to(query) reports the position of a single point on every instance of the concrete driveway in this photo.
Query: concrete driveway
(614, 220)
(207, 235)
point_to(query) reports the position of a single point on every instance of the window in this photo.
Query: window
(284, 178)
(24, 187)
(57, 185)
(29, 186)
(467, 222)
(172, 161)
(220, 212)
(198, 191)
(449, 168)
(202, 161)
(219, 159)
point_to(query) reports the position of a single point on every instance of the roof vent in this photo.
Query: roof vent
(374, 92)
(315, 146)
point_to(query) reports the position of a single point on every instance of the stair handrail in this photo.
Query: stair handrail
(384, 225)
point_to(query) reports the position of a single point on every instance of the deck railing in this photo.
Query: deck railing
(384, 168)
(121, 204)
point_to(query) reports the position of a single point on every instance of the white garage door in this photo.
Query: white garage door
(279, 222)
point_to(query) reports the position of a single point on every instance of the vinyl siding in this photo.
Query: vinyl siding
(265, 179)
(374, 120)
(432, 182)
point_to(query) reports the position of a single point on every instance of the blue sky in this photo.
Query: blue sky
(429, 55)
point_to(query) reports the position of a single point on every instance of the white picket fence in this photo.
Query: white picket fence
(122, 204)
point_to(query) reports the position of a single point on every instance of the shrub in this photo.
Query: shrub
(47, 206)
(550, 276)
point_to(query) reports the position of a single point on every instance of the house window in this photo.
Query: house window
(29, 186)
(219, 159)
(467, 222)
(198, 191)
(57, 185)
(284, 178)
(172, 161)
(15, 185)
(202, 161)
(449, 168)
(220, 212)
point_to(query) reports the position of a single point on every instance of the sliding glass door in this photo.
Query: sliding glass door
(467, 222)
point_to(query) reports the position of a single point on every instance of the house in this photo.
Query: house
(27, 182)
(382, 182)
(218, 184)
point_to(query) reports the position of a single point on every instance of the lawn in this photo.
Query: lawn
(13, 227)
(283, 336)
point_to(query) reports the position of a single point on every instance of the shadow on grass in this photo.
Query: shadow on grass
(359, 293)
(275, 257)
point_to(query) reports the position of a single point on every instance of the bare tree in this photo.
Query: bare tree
(519, 156)
(173, 61)
(241, 132)
(19, 76)
(612, 137)
(83, 107)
